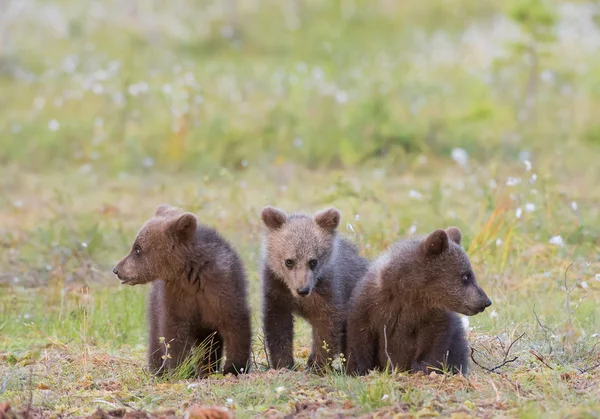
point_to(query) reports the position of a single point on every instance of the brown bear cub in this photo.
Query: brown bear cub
(198, 293)
(403, 311)
(310, 271)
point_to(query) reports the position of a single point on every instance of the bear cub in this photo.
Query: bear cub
(403, 311)
(198, 294)
(310, 271)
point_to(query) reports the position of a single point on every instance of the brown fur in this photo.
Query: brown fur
(198, 292)
(310, 271)
(404, 310)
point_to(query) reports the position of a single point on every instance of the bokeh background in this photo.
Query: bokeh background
(406, 115)
(127, 86)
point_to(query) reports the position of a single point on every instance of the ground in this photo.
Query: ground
(407, 116)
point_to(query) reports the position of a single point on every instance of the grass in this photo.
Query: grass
(81, 336)
(407, 116)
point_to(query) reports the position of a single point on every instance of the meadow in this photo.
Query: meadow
(406, 116)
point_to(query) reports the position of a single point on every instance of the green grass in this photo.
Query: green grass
(352, 103)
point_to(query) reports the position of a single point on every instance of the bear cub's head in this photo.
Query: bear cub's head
(298, 246)
(449, 278)
(160, 248)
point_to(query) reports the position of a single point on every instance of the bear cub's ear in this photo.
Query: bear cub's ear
(454, 234)
(273, 218)
(184, 226)
(328, 219)
(165, 209)
(161, 209)
(436, 243)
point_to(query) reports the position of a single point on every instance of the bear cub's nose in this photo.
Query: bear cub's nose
(115, 271)
(302, 291)
(488, 303)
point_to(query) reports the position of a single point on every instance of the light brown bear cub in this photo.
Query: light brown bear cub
(198, 292)
(404, 310)
(310, 271)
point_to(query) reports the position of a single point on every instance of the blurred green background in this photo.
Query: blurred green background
(124, 86)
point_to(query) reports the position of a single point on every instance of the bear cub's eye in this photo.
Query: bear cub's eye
(289, 263)
(312, 264)
(137, 250)
(466, 278)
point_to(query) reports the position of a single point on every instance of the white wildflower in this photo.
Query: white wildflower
(529, 207)
(17, 203)
(493, 314)
(547, 75)
(574, 205)
(527, 165)
(460, 156)
(84, 245)
(97, 88)
(513, 181)
(557, 241)
(597, 277)
(349, 227)
(519, 212)
(229, 401)
(280, 389)
(341, 96)
(53, 125)
(385, 397)
(498, 242)
(192, 385)
(415, 194)
(356, 217)
(584, 285)
(533, 178)
(412, 230)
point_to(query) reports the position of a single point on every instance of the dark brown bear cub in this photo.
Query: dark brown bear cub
(310, 271)
(403, 311)
(198, 292)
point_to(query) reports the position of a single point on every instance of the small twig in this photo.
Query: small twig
(254, 359)
(504, 362)
(511, 345)
(114, 406)
(264, 345)
(386, 347)
(494, 369)
(540, 358)
(166, 357)
(546, 329)
(589, 369)
(495, 390)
